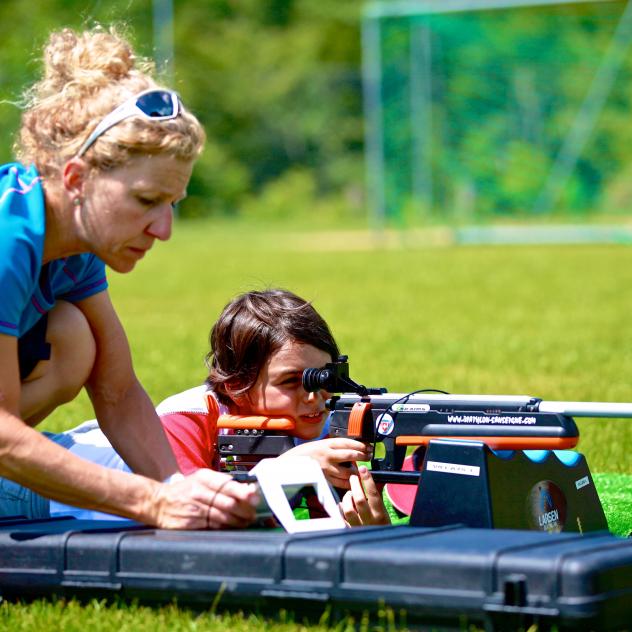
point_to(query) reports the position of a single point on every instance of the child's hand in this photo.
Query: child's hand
(363, 504)
(331, 454)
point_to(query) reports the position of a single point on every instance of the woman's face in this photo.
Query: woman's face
(279, 389)
(125, 210)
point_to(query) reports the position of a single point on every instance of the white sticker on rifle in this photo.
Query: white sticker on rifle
(385, 424)
(582, 482)
(453, 468)
(411, 408)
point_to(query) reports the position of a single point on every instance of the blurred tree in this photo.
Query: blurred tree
(277, 85)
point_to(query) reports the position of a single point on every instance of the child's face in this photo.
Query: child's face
(279, 389)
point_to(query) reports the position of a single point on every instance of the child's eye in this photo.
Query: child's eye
(291, 381)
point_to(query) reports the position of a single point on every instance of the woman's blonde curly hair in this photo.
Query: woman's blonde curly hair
(86, 75)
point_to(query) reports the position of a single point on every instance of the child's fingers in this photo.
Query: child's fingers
(338, 475)
(349, 511)
(362, 504)
(349, 450)
(377, 510)
(345, 456)
(370, 486)
(360, 500)
(342, 442)
(338, 481)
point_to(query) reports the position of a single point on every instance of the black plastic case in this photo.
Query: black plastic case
(444, 577)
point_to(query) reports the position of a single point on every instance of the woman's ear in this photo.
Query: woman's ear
(74, 176)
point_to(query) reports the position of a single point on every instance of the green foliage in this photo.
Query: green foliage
(217, 185)
(273, 84)
(294, 197)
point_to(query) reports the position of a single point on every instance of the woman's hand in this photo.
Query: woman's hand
(363, 504)
(206, 500)
(336, 457)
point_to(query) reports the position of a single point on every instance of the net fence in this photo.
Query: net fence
(479, 112)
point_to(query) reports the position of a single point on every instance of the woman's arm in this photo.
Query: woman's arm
(204, 499)
(122, 407)
(30, 459)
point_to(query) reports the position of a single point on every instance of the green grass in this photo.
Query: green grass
(119, 616)
(552, 322)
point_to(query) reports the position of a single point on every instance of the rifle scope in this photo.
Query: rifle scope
(329, 378)
(334, 378)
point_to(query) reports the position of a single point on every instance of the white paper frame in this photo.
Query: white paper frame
(276, 475)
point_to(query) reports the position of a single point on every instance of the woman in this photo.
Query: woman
(105, 153)
(260, 346)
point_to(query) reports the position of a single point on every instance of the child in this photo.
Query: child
(260, 345)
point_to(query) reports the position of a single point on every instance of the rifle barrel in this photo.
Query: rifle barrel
(588, 409)
(612, 410)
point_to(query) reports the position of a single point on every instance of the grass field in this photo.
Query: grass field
(552, 322)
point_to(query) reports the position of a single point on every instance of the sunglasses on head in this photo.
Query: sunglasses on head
(154, 104)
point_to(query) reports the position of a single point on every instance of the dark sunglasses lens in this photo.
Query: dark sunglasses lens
(156, 103)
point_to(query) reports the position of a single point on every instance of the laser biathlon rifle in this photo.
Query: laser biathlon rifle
(401, 420)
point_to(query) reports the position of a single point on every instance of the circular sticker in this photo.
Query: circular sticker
(546, 507)
(384, 424)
